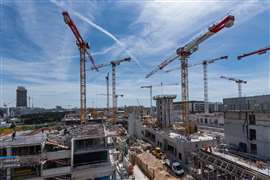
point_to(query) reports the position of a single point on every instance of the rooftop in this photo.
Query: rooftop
(164, 97)
(22, 139)
(196, 137)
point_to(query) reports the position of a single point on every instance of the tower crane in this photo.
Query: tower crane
(113, 64)
(108, 96)
(259, 52)
(239, 83)
(83, 48)
(205, 76)
(183, 54)
(150, 87)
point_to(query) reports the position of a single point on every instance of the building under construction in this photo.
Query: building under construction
(246, 154)
(73, 152)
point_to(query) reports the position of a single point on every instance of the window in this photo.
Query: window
(252, 119)
(180, 156)
(205, 121)
(90, 158)
(170, 148)
(159, 144)
(252, 134)
(253, 148)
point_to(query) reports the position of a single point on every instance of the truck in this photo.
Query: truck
(175, 167)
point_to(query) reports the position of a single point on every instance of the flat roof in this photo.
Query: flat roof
(196, 137)
(22, 140)
(192, 137)
(164, 97)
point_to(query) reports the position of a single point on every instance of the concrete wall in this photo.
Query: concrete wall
(134, 125)
(237, 130)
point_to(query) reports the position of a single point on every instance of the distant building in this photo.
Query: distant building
(21, 97)
(164, 105)
(247, 124)
(209, 119)
(195, 107)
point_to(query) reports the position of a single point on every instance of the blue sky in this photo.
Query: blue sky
(38, 51)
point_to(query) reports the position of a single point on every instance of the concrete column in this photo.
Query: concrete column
(9, 153)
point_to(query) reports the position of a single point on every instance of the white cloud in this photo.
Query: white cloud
(161, 27)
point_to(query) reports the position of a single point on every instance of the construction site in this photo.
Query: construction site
(173, 138)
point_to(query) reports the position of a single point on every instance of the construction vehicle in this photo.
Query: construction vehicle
(259, 52)
(157, 152)
(205, 76)
(114, 96)
(183, 53)
(83, 48)
(150, 87)
(239, 83)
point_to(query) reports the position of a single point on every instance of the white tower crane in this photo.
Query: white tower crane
(239, 83)
(205, 77)
(114, 96)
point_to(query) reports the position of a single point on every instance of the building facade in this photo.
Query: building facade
(21, 97)
(247, 124)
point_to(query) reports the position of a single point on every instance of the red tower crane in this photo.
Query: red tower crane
(183, 53)
(205, 76)
(83, 47)
(239, 83)
(114, 96)
(259, 52)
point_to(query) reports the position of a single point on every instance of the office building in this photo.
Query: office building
(21, 97)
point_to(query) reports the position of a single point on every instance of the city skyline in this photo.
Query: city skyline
(38, 50)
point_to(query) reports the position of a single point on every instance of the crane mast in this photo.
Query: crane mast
(239, 83)
(113, 64)
(83, 47)
(259, 52)
(108, 94)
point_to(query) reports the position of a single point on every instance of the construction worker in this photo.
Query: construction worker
(13, 135)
